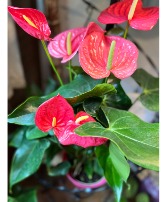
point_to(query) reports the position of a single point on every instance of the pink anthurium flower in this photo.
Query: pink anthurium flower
(54, 114)
(132, 11)
(65, 45)
(31, 21)
(68, 136)
(100, 55)
(57, 114)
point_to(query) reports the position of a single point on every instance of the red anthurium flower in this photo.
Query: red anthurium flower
(138, 17)
(65, 45)
(54, 114)
(95, 57)
(68, 136)
(31, 21)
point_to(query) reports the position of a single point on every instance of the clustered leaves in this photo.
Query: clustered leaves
(88, 119)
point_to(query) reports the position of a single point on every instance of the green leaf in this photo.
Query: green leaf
(119, 99)
(24, 113)
(120, 163)
(28, 196)
(27, 160)
(118, 31)
(81, 84)
(34, 132)
(17, 137)
(98, 90)
(60, 169)
(11, 199)
(92, 105)
(150, 95)
(137, 139)
(112, 176)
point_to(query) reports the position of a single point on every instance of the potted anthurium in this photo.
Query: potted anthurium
(87, 120)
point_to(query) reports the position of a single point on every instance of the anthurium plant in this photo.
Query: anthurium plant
(88, 120)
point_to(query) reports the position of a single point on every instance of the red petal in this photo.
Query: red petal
(117, 13)
(93, 55)
(41, 31)
(145, 19)
(69, 137)
(56, 107)
(125, 57)
(57, 47)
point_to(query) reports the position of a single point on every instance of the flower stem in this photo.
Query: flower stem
(69, 68)
(126, 30)
(51, 62)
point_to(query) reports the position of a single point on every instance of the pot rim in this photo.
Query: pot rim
(84, 185)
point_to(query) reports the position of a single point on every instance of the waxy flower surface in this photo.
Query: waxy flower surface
(31, 21)
(141, 18)
(57, 114)
(54, 114)
(65, 45)
(68, 136)
(94, 54)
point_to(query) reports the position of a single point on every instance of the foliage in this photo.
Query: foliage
(86, 121)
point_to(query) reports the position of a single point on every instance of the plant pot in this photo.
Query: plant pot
(83, 185)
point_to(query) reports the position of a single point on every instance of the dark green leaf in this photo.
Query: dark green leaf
(150, 96)
(92, 105)
(24, 113)
(17, 137)
(118, 31)
(60, 169)
(119, 99)
(81, 84)
(51, 152)
(98, 90)
(28, 196)
(34, 132)
(27, 160)
(137, 139)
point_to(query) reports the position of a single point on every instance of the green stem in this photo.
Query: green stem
(51, 62)
(126, 30)
(70, 73)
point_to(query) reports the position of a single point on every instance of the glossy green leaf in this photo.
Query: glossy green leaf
(27, 160)
(110, 172)
(118, 100)
(137, 139)
(24, 113)
(98, 90)
(92, 105)
(150, 85)
(34, 132)
(120, 163)
(81, 84)
(17, 137)
(60, 169)
(113, 178)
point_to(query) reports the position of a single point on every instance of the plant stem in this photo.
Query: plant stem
(126, 30)
(70, 73)
(51, 62)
